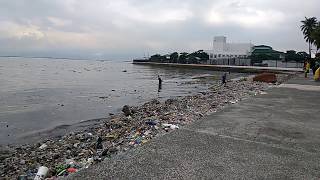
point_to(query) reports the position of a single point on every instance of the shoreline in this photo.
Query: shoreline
(56, 132)
(121, 133)
(229, 68)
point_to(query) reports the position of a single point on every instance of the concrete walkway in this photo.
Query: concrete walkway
(270, 136)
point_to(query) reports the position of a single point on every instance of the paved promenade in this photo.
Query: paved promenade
(270, 136)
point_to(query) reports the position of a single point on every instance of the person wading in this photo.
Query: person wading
(224, 79)
(160, 83)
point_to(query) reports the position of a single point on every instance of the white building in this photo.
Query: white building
(223, 52)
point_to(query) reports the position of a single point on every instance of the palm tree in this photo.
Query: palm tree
(315, 35)
(307, 27)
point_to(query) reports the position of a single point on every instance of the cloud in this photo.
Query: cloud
(127, 28)
(57, 22)
(149, 13)
(246, 16)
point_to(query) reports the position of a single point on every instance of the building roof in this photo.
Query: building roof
(261, 49)
(263, 46)
(266, 51)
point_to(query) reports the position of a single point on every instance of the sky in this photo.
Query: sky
(126, 29)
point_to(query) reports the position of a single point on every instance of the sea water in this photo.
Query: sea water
(41, 94)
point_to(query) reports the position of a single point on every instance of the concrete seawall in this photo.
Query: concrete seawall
(245, 69)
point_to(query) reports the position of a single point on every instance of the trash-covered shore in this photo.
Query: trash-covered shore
(134, 127)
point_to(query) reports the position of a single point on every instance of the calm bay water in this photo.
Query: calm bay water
(39, 94)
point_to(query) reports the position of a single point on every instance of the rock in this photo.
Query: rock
(174, 126)
(266, 77)
(99, 143)
(22, 162)
(33, 153)
(43, 146)
(155, 101)
(6, 152)
(42, 173)
(151, 123)
(126, 110)
(56, 156)
(170, 101)
(23, 177)
(171, 126)
(113, 150)
(76, 145)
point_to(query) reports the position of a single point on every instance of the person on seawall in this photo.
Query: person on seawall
(313, 66)
(316, 74)
(307, 69)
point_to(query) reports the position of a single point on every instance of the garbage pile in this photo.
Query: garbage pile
(135, 126)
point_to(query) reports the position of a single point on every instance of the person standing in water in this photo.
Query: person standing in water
(160, 83)
(224, 79)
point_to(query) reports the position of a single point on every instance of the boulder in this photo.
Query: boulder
(126, 110)
(266, 77)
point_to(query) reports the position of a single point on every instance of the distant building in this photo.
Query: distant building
(262, 54)
(246, 54)
(223, 51)
(267, 50)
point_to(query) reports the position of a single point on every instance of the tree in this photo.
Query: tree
(302, 56)
(174, 57)
(155, 58)
(158, 58)
(198, 56)
(291, 55)
(182, 58)
(307, 28)
(315, 35)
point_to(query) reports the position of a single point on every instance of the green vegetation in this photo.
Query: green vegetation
(292, 55)
(262, 52)
(316, 36)
(311, 31)
(183, 58)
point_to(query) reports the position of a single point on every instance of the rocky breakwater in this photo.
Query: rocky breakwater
(136, 126)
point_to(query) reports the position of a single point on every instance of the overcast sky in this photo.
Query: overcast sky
(123, 29)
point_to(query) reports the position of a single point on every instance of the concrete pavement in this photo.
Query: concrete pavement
(270, 136)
